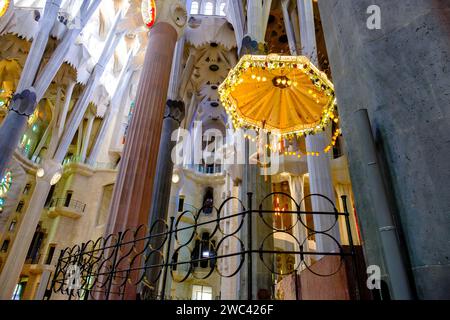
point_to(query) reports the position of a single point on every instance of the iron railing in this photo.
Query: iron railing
(143, 259)
(75, 205)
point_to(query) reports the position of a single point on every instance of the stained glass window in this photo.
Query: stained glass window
(5, 185)
(148, 10)
(4, 5)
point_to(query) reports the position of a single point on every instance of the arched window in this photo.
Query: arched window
(195, 7)
(5, 183)
(205, 251)
(208, 201)
(222, 6)
(209, 8)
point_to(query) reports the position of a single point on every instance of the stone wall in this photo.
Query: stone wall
(401, 75)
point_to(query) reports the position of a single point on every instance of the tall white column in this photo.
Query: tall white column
(296, 186)
(307, 29)
(175, 74)
(24, 105)
(55, 113)
(63, 115)
(346, 190)
(173, 212)
(87, 137)
(320, 178)
(80, 138)
(187, 72)
(51, 167)
(45, 78)
(321, 182)
(82, 104)
(118, 101)
(191, 111)
(235, 12)
(18, 252)
(258, 12)
(43, 283)
(289, 28)
(58, 124)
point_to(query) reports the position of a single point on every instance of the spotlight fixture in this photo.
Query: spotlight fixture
(282, 82)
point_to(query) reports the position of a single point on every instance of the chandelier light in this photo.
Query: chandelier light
(286, 94)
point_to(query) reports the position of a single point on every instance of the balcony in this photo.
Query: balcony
(209, 168)
(66, 207)
(76, 160)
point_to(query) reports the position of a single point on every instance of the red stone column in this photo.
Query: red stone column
(132, 198)
(133, 191)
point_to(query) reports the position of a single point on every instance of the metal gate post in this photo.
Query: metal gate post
(167, 264)
(250, 246)
(49, 292)
(352, 246)
(113, 267)
(79, 263)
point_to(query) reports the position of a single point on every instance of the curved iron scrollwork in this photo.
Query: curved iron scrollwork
(191, 246)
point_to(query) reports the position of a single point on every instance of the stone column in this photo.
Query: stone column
(59, 123)
(258, 12)
(75, 26)
(163, 178)
(55, 114)
(173, 212)
(175, 73)
(173, 117)
(87, 136)
(307, 29)
(253, 181)
(346, 190)
(260, 186)
(289, 28)
(320, 178)
(321, 182)
(46, 177)
(133, 191)
(79, 110)
(235, 13)
(68, 99)
(80, 138)
(43, 283)
(187, 72)
(12, 127)
(402, 83)
(296, 186)
(119, 99)
(51, 168)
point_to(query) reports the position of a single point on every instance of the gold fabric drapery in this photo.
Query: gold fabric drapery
(279, 93)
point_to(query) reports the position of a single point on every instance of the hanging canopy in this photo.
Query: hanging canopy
(286, 94)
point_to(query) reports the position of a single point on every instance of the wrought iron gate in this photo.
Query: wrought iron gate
(143, 260)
